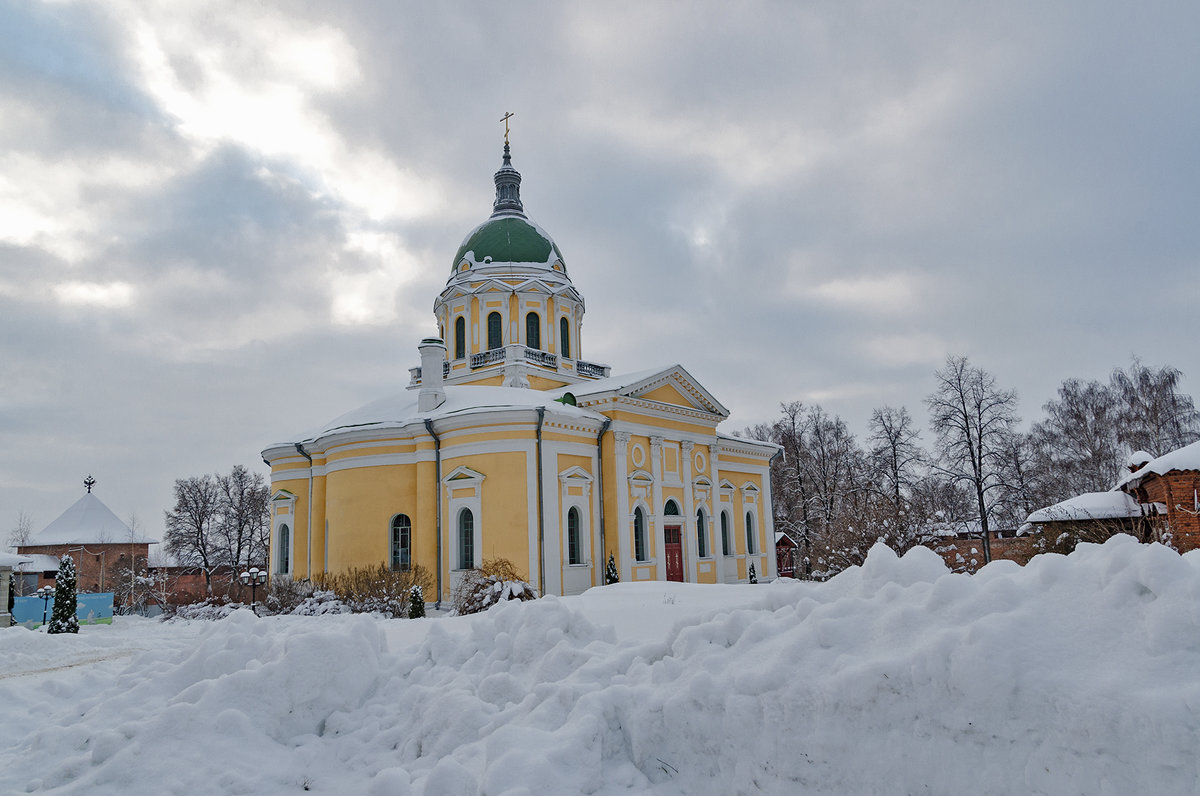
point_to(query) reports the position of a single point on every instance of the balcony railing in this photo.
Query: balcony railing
(414, 374)
(591, 369)
(542, 358)
(485, 358)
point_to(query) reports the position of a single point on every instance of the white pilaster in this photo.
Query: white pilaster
(622, 521)
(691, 530)
(660, 542)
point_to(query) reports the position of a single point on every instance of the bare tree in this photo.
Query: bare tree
(244, 526)
(192, 525)
(1154, 415)
(22, 532)
(1078, 444)
(974, 420)
(896, 460)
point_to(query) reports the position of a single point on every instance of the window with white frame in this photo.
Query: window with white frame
(401, 557)
(750, 546)
(574, 542)
(639, 534)
(466, 539)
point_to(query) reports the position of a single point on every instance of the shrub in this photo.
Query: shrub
(211, 609)
(416, 603)
(753, 575)
(63, 619)
(375, 589)
(611, 575)
(496, 581)
(285, 595)
(321, 602)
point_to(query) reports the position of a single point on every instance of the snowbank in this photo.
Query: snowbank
(1071, 675)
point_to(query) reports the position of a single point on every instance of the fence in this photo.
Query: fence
(90, 609)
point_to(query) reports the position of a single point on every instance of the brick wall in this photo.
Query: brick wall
(966, 555)
(95, 564)
(1177, 489)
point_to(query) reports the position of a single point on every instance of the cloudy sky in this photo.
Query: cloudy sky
(222, 223)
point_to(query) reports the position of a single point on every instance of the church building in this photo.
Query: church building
(510, 444)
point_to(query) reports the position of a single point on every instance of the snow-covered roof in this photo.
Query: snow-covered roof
(1185, 458)
(396, 411)
(10, 560)
(87, 521)
(38, 562)
(1089, 506)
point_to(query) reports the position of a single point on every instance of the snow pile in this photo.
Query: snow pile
(1071, 675)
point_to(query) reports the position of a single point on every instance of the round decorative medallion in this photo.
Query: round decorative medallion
(639, 455)
(700, 461)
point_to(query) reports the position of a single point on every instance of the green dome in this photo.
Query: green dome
(508, 240)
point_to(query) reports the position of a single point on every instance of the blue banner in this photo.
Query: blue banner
(90, 609)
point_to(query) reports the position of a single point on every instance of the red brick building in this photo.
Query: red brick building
(100, 544)
(1171, 484)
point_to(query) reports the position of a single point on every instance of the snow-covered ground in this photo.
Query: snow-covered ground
(1076, 674)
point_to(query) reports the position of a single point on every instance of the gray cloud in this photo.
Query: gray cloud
(220, 225)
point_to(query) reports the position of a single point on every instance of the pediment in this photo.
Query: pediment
(463, 475)
(575, 475)
(674, 386)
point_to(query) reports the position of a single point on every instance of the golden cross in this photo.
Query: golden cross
(507, 116)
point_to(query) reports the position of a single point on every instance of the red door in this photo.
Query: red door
(674, 544)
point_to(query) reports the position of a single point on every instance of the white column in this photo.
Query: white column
(660, 542)
(622, 520)
(768, 521)
(691, 531)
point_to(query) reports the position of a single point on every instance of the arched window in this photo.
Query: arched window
(749, 532)
(460, 337)
(495, 324)
(466, 539)
(401, 543)
(726, 547)
(701, 535)
(283, 550)
(574, 543)
(564, 337)
(671, 509)
(639, 534)
(533, 330)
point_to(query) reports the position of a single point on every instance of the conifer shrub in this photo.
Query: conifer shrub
(496, 581)
(611, 575)
(416, 602)
(62, 619)
(753, 575)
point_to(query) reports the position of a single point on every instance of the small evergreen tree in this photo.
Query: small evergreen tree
(416, 603)
(63, 620)
(610, 572)
(753, 575)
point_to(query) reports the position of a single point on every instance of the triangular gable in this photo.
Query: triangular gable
(575, 476)
(282, 495)
(463, 474)
(672, 386)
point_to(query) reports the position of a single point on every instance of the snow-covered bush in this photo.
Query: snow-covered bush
(496, 581)
(285, 595)
(376, 589)
(753, 575)
(319, 603)
(210, 609)
(611, 575)
(63, 619)
(416, 603)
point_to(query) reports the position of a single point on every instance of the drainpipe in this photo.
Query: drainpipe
(437, 493)
(600, 487)
(541, 415)
(308, 564)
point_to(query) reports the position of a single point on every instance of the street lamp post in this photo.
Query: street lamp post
(253, 578)
(45, 593)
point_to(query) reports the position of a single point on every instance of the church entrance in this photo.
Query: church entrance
(674, 544)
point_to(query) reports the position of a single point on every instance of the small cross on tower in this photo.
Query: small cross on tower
(89, 482)
(505, 119)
